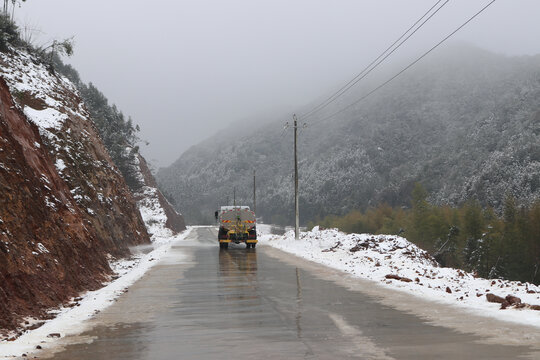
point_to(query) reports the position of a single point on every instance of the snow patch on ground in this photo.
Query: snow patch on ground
(153, 215)
(60, 165)
(48, 118)
(30, 79)
(373, 257)
(152, 212)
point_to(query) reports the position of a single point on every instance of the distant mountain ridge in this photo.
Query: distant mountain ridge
(465, 123)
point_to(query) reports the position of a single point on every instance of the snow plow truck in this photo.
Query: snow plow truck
(237, 224)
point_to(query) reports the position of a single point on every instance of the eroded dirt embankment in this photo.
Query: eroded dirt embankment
(53, 103)
(47, 253)
(65, 208)
(100, 191)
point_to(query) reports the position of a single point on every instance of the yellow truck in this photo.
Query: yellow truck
(237, 224)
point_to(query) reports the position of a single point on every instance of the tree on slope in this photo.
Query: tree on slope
(5, 10)
(473, 226)
(119, 135)
(446, 254)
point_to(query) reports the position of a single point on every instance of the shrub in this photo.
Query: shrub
(9, 32)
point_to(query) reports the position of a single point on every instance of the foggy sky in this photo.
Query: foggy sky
(185, 69)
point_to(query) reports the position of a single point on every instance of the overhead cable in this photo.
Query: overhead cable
(407, 67)
(383, 56)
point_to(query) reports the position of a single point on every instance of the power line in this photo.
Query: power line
(407, 67)
(383, 56)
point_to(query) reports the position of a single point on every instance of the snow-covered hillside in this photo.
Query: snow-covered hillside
(68, 218)
(65, 206)
(394, 262)
(47, 99)
(161, 220)
(465, 123)
(67, 213)
(53, 104)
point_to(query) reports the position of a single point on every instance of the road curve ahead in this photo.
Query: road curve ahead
(246, 304)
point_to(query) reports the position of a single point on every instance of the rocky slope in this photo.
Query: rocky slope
(37, 269)
(65, 207)
(159, 216)
(464, 122)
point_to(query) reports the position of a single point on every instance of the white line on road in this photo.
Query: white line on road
(362, 344)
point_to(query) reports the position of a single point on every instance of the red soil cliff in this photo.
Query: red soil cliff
(47, 253)
(64, 206)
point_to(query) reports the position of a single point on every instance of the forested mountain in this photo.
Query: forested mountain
(465, 123)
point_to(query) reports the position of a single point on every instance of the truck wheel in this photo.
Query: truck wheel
(248, 245)
(253, 245)
(225, 245)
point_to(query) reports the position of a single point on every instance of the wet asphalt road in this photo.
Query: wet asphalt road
(245, 304)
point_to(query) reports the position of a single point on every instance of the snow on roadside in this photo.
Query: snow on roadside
(153, 214)
(394, 262)
(71, 320)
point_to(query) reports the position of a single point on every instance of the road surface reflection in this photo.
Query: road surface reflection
(238, 274)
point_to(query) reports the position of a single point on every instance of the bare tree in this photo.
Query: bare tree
(29, 32)
(58, 47)
(5, 9)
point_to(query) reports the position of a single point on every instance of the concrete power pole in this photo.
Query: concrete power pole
(234, 196)
(296, 207)
(254, 194)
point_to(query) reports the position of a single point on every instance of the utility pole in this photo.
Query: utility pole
(234, 196)
(254, 194)
(296, 207)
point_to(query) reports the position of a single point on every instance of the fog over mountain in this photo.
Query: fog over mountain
(464, 123)
(185, 70)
